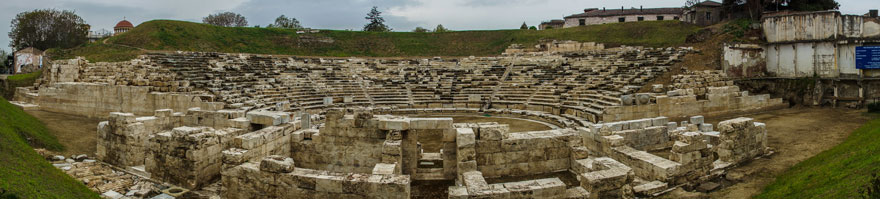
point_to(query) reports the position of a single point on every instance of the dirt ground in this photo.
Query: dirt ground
(78, 134)
(795, 134)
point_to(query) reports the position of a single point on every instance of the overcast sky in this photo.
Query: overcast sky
(401, 15)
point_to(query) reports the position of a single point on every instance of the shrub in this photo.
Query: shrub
(874, 107)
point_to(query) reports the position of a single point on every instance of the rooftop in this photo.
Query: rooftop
(595, 12)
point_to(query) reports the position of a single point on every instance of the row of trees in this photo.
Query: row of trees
(231, 19)
(439, 28)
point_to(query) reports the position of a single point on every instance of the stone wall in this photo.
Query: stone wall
(280, 179)
(720, 101)
(123, 140)
(500, 154)
(190, 157)
(98, 100)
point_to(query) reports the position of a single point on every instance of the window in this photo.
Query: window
(708, 16)
(676, 18)
(641, 18)
(622, 19)
(582, 22)
(659, 18)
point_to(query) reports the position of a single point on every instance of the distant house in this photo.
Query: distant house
(98, 35)
(27, 60)
(552, 24)
(122, 26)
(592, 16)
(703, 14)
(872, 14)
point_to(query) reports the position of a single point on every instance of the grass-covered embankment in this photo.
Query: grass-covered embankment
(840, 172)
(171, 35)
(23, 172)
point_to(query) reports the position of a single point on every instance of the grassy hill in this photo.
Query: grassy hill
(189, 36)
(23, 172)
(839, 172)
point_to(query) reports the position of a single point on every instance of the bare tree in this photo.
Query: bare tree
(226, 19)
(47, 28)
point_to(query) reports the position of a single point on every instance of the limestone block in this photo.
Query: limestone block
(384, 169)
(394, 123)
(268, 118)
(163, 113)
(493, 132)
(705, 127)
(391, 147)
(277, 164)
(465, 138)
(328, 101)
(117, 118)
(430, 123)
(650, 188)
(185, 131)
(466, 166)
(659, 121)
(240, 123)
(696, 120)
(458, 192)
(671, 126)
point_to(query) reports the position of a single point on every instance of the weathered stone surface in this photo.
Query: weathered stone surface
(277, 164)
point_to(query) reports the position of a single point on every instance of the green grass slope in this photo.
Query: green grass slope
(23, 172)
(836, 173)
(20, 80)
(189, 36)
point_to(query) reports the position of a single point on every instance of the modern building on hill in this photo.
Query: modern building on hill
(592, 16)
(552, 24)
(703, 13)
(122, 26)
(27, 60)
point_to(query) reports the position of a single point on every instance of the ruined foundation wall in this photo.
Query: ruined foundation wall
(720, 101)
(123, 140)
(189, 156)
(254, 180)
(500, 154)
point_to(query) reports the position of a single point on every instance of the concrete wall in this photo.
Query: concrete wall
(824, 59)
(815, 44)
(743, 60)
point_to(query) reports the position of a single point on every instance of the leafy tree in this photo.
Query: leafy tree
(524, 26)
(420, 29)
(4, 61)
(377, 22)
(440, 28)
(533, 28)
(47, 28)
(284, 22)
(226, 19)
(813, 5)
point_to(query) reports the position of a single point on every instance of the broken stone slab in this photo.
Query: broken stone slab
(268, 118)
(708, 187)
(58, 158)
(384, 169)
(112, 195)
(277, 164)
(650, 188)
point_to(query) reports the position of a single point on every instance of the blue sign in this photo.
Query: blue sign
(867, 57)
